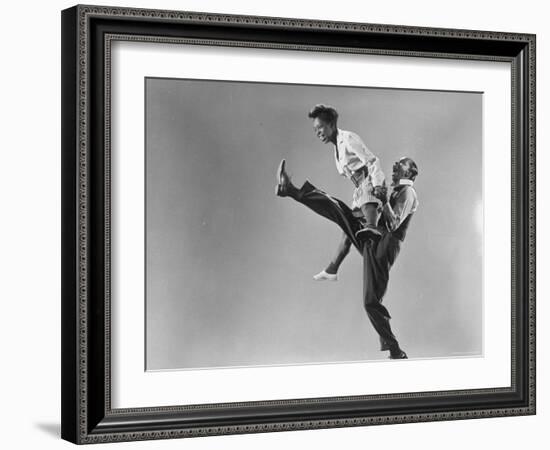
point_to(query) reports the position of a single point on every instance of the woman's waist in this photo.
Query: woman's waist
(359, 175)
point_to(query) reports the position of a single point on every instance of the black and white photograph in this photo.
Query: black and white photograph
(293, 224)
(276, 224)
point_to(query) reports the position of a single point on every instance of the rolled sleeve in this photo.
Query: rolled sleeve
(375, 172)
(358, 147)
(367, 158)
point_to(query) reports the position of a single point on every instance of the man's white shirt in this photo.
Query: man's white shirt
(406, 203)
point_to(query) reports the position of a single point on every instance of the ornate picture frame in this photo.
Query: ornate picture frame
(88, 415)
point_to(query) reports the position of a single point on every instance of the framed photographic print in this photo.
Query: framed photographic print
(279, 224)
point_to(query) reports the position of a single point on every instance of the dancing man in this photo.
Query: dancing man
(379, 251)
(356, 162)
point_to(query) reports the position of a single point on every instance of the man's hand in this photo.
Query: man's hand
(381, 193)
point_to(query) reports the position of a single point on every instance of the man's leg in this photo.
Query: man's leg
(377, 261)
(323, 204)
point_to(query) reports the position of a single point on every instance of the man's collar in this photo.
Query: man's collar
(405, 182)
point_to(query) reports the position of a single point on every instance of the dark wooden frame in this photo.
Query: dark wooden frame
(87, 416)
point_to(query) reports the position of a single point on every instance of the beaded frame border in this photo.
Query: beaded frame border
(84, 14)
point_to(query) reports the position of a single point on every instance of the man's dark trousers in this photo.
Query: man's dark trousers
(377, 257)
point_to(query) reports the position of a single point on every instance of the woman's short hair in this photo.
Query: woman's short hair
(324, 112)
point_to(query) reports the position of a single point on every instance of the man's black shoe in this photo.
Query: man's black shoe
(398, 354)
(283, 180)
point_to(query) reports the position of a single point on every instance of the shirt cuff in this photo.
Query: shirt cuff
(375, 172)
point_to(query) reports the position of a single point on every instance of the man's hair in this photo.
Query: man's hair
(324, 112)
(412, 167)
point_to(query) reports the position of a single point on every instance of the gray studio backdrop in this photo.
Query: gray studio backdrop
(229, 265)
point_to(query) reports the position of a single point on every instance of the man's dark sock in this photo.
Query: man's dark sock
(332, 269)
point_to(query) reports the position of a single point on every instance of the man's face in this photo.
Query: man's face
(400, 170)
(323, 130)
